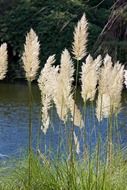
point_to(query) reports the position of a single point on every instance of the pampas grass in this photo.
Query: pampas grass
(110, 89)
(63, 86)
(89, 77)
(31, 55)
(3, 61)
(109, 97)
(30, 60)
(79, 51)
(46, 88)
(56, 87)
(80, 39)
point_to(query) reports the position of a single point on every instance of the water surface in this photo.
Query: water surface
(14, 110)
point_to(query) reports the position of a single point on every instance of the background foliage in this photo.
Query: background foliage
(53, 21)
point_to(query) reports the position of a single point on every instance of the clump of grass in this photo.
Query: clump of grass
(54, 175)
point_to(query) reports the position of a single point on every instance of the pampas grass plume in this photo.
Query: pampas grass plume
(63, 86)
(46, 88)
(104, 102)
(31, 55)
(63, 95)
(110, 88)
(3, 61)
(45, 72)
(80, 39)
(89, 77)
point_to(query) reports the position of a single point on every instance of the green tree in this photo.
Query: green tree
(53, 21)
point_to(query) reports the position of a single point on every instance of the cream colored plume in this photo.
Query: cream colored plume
(76, 143)
(63, 86)
(80, 38)
(31, 55)
(3, 61)
(45, 72)
(48, 74)
(89, 77)
(63, 98)
(117, 86)
(110, 88)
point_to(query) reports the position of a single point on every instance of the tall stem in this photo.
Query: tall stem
(97, 160)
(109, 157)
(117, 131)
(39, 133)
(85, 129)
(30, 132)
(60, 133)
(75, 95)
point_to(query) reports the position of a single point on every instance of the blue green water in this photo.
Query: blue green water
(14, 119)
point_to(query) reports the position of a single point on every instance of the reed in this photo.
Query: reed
(31, 64)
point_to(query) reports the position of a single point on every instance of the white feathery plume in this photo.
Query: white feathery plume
(63, 86)
(76, 143)
(103, 108)
(46, 88)
(3, 61)
(89, 77)
(117, 86)
(110, 88)
(80, 38)
(125, 78)
(63, 90)
(98, 63)
(31, 55)
(44, 76)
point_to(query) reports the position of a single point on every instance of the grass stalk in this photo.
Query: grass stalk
(75, 96)
(110, 145)
(97, 161)
(60, 133)
(39, 133)
(85, 130)
(30, 134)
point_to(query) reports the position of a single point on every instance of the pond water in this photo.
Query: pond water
(14, 119)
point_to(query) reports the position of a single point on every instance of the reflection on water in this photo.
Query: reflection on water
(14, 121)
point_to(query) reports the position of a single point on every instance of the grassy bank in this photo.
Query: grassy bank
(59, 175)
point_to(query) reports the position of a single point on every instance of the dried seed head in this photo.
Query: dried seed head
(110, 88)
(31, 55)
(45, 85)
(63, 86)
(89, 77)
(80, 39)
